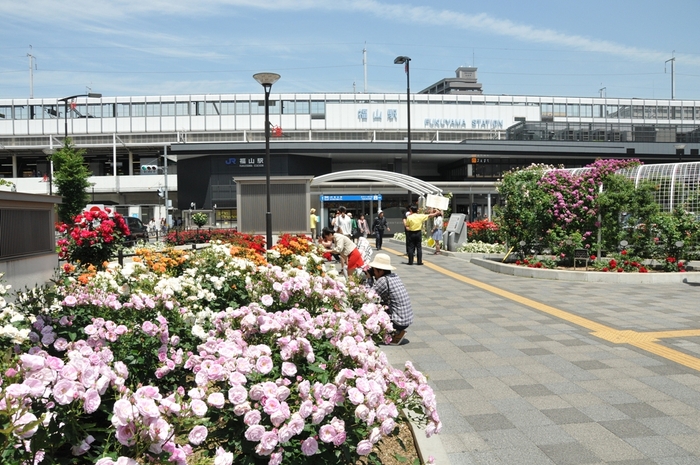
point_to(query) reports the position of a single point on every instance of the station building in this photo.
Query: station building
(185, 152)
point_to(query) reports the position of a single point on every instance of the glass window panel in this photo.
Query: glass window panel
(94, 110)
(318, 108)
(637, 111)
(676, 112)
(586, 111)
(546, 110)
(108, 110)
(612, 111)
(123, 110)
(242, 108)
(697, 112)
(598, 111)
(21, 112)
(167, 109)
(662, 112)
(153, 109)
(559, 109)
(198, 108)
(138, 109)
(288, 107)
(182, 108)
(228, 108)
(302, 108)
(687, 112)
(5, 112)
(213, 108)
(258, 107)
(572, 110)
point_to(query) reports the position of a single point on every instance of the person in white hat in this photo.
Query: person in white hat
(393, 294)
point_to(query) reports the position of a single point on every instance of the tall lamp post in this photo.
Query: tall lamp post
(404, 60)
(267, 79)
(65, 109)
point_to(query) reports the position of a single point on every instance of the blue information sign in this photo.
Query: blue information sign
(350, 198)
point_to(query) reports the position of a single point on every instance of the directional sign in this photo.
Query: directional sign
(350, 198)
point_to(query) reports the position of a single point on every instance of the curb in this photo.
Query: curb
(426, 447)
(584, 276)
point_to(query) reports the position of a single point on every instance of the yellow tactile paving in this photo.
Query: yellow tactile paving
(646, 341)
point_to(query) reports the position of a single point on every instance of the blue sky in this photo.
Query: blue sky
(159, 47)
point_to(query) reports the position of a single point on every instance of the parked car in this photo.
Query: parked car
(139, 231)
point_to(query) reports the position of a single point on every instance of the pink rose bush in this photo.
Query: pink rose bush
(232, 361)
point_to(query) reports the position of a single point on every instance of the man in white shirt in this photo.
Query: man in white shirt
(343, 223)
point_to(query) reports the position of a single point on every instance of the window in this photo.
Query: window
(302, 108)
(687, 112)
(242, 108)
(559, 109)
(318, 108)
(662, 112)
(228, 108)
(138, 109)
(586, 111)
(197, 108)
(675, 112)
(123, 110)
(598, 111)
(637, 111)
(572, 110)
(153, 109)
(212, 108)
(21, 112)
(5, 112)
(182, 108)
(612, 111)
(546, 110)
(167, 109)
(258, 107)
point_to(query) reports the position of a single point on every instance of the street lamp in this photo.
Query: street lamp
(267, 79)
(49, 152)
(404, 60)
(65, 108)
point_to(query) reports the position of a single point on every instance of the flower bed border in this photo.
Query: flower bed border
(583, 276)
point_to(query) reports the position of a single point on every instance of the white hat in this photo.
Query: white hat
(379, 211)
(382, 261)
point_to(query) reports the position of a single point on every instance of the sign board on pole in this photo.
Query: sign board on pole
(437, 201)
(350, 198)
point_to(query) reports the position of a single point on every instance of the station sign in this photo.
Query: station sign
(350, 198)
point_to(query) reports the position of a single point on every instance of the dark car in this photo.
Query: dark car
(138, 230)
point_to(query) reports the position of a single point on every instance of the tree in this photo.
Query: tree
(71, 180)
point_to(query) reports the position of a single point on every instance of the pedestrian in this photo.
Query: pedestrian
(313, 219)
(363, 225)
(393, 295)
(343, 223)
(354, 228)
(152, 226)
(336, 242)
(378, 227)
(163, 226)
(414, 235)
(436, 232)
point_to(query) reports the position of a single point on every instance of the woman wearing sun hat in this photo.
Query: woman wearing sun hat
(393, 294)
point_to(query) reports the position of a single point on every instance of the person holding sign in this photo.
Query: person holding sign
(414, 235)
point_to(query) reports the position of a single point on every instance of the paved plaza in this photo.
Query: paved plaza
(532, 371)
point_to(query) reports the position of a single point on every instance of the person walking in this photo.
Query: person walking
(414, 235)
(436, 232)
(313, 220)
(363, 225)
(393, 295)
(378, 227)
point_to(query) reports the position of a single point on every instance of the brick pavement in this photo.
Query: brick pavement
(518, 385)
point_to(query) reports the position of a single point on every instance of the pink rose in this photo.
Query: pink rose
(364, 447)
(198, 435)
(254, 433)
(310, 446)
(91, 401)
(216, 399)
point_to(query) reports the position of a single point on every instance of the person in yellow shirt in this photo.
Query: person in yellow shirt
(414, 235)
(313, 219)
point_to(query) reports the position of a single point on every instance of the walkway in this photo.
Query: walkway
(530, 371)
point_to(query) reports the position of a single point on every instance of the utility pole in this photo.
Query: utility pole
(31, 73)
(364, 64)
(673, 78)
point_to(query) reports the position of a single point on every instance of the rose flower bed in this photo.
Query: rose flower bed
(202, 358)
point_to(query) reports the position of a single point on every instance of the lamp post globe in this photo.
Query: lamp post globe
(266, 80)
